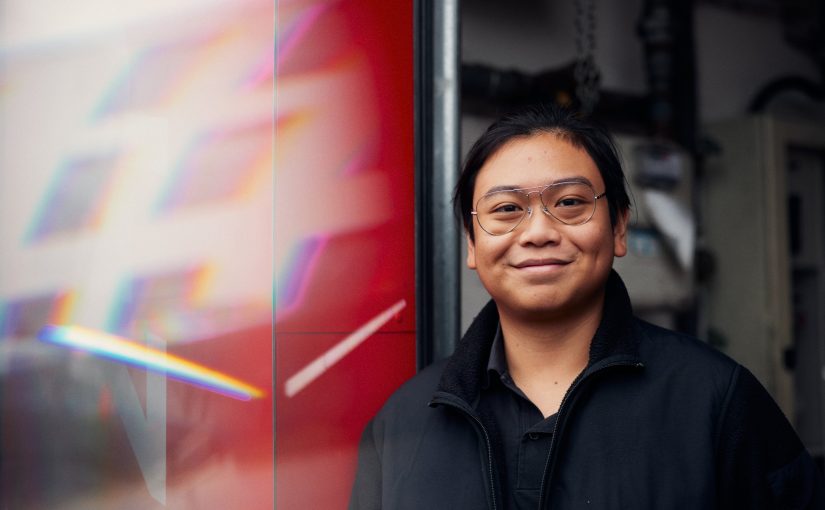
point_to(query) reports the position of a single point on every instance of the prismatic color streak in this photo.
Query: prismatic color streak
(291, 282)
(290, 37)
(119, 349)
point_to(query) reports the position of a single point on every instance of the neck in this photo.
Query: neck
(550, 350)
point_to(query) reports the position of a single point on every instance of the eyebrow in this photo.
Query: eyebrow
(565, 180)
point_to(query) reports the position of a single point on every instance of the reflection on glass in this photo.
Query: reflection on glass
(118, 349)
(136, 202)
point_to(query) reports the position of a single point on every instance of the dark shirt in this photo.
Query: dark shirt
(525, 433)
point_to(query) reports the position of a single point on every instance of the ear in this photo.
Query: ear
(471, 252)
(620, 234)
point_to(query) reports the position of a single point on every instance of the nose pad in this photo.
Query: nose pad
(543, 209)
(546, 211)
(542, 231)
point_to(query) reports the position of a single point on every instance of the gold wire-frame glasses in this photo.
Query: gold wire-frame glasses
(501, 211)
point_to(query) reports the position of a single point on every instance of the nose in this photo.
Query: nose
(540, 227)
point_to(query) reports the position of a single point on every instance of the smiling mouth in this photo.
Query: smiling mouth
(538, 263)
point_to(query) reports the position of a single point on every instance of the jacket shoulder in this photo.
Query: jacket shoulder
(413, 397)
(667, 345)
(685, 360)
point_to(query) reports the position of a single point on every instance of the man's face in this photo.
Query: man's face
(545, 268)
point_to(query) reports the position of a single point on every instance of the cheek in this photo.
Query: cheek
(599, 242)
(488, 249)
(588, 236)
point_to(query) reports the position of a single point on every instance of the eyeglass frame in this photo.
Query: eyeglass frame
(545, 210)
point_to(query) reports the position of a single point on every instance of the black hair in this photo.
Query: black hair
(568, 125)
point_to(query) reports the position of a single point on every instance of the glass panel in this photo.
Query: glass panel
(136, 176)
(345, 268)
(136, 249)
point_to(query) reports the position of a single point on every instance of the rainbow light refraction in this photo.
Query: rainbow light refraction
(119, 349)
(289, 38)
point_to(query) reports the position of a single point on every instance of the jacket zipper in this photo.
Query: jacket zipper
(554, 438)
(469, 414)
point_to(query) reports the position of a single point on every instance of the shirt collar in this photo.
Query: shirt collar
(467, 368)
(497, 362)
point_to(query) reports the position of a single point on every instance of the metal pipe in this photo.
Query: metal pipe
(437, 162)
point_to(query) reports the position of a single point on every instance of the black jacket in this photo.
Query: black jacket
(657, 420)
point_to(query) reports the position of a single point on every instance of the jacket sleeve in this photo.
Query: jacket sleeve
(366, 491)
(761, 462)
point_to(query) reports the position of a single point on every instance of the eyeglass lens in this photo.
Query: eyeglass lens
(501, 211)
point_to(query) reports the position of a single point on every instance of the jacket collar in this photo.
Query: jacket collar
(465, 371)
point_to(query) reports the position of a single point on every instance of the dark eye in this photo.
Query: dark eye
(569, 202)
(507, 208)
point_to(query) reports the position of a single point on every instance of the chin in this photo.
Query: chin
(540, 307)
(558, 304)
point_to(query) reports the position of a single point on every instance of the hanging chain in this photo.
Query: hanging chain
(586, 73)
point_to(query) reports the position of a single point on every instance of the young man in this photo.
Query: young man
(557, 396)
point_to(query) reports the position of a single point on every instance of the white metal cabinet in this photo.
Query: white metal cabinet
(759, 290)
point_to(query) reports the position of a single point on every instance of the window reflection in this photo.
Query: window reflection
(136, 176)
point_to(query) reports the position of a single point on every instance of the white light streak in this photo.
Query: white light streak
(321, 364)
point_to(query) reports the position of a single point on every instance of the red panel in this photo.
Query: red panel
(221, 448)
(319, 427)
(345, 253)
